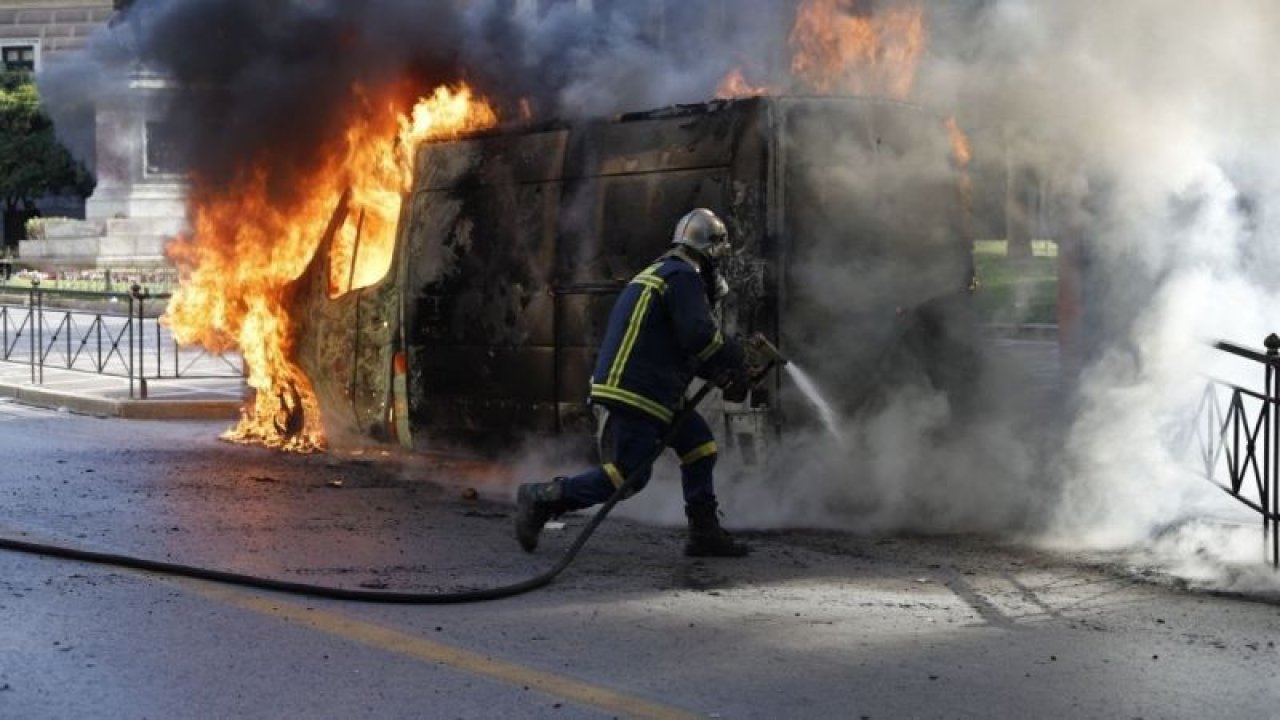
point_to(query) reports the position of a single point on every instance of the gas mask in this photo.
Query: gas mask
(702, 237)
(717, 285)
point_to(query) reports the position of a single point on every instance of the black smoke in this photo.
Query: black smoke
(251, 79)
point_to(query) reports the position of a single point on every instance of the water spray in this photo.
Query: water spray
(809, 388)
(762, 353)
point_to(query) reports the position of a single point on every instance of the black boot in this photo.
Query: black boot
(536, 503)
(706, 537)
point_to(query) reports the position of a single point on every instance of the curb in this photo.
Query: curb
(127, 409)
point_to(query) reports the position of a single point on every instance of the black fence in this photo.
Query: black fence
(1238, 438)
(115, 334)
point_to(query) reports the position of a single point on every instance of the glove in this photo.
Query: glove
(735, 384)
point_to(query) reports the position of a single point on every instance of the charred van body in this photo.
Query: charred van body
(846, 215)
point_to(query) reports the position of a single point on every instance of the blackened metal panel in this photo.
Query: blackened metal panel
(750, 307)
(573, 373)
(629, 180)
(632, 179)
(487, 373)
(496, 158)
(583, 314)
(613, 227)
(479, 304)
(682, 138)
(495, 285)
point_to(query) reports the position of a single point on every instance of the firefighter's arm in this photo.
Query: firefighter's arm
(714, 355)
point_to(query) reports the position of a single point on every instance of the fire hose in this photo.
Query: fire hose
(763, 350)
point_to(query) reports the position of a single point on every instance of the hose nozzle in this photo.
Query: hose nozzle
(764, 353)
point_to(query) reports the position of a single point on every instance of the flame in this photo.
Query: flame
(962, 156)
(246, 247)
(362, 249)
(840, 48)
(961, 150)
(735, 85)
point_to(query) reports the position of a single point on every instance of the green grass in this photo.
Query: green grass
(1016, 290)
(1039, 248)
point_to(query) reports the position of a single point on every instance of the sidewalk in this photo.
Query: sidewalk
(106, 395)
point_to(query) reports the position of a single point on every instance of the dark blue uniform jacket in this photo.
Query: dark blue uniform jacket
(661, 334)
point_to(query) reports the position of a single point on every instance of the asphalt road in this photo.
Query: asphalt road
(813, 625)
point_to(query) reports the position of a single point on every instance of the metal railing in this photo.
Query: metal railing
(1238, 439)
(83, 331)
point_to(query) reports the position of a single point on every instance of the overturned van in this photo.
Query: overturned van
(847, 218)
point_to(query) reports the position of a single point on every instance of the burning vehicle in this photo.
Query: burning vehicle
(440, 276)
(847, 215)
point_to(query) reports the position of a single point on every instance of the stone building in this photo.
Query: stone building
(33, 32)
(140, 198)
(138, 201)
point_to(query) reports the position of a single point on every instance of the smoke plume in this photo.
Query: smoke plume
(251, 78)
(1152, 119)
(1152, 124)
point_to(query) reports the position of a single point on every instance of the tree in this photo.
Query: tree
(33, 163)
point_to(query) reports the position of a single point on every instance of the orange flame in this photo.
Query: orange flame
(735, 85)
(362, 250)
(245, 249)
(837, 48)
(962, 156)
(961, 151)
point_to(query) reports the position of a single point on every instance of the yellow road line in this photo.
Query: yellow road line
(401, 643)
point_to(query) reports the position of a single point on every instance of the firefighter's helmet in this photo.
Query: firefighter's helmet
(704, 233)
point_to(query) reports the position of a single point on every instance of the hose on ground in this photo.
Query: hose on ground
(360, 595)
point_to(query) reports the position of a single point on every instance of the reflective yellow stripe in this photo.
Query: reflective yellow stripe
(649, 277)
(717, 341)
(656, 283)
(615, 475)
(629, 339)
(696, 454)
(652, 284)
(626, 397)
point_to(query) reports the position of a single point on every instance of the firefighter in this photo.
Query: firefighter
(661, 334)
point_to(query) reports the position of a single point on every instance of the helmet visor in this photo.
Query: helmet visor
(719, 246)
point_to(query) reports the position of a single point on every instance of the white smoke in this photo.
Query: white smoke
(1168, 104)
(1160, 119)
(1155, 125)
